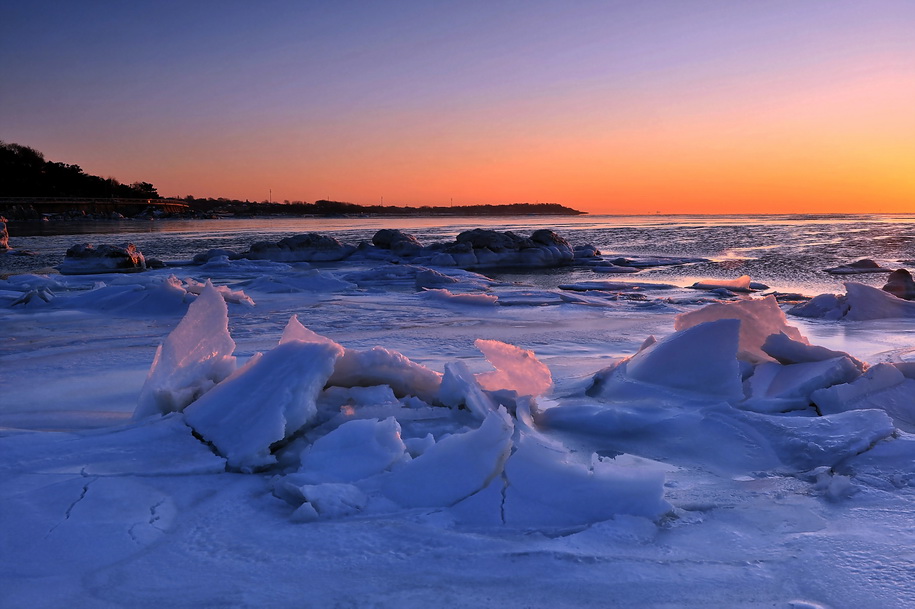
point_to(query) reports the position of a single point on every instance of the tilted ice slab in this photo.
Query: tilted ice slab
(193, 359)
(356, 450)
(675, 429)
(860, 303)
(786, 350)
(882, 387)
(454, 468)
(700, 360)
(719, 437)
(805, 443)
(760, 318)
(776, 387)
(376, 366)
(266, 401)
(545, 485)
(460, 388)
(866, 302)
(516, 369)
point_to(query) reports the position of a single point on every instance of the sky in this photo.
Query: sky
(670, 106)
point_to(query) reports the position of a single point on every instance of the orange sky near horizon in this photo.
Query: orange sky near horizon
(701, 107)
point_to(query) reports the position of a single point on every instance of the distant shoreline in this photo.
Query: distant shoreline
(68, 209)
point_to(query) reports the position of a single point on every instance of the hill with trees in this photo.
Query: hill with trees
(26, 174)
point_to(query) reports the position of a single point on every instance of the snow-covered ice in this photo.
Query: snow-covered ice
(362, 433)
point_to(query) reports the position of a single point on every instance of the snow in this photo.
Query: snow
(651, 451)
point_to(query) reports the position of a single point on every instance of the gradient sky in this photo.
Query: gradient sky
(677, 106)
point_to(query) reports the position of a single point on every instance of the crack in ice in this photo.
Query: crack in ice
(82, 495)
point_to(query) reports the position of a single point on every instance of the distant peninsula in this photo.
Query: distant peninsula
(32, 188)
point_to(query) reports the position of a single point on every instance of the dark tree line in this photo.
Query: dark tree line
(24, 172)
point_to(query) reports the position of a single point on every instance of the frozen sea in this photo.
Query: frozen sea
(687, 476)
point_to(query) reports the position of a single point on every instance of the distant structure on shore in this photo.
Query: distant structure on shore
(32, 188)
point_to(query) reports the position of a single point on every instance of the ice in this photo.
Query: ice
(263, 403)
(380, 366)
(166, 297)
(786, 350)
(615, 286)
(295, 331)
(822, 306)
(608, 267)
(304, 281)
(356, 450)
(866, 302)
(545, 485)
(193, 359)
(455, 467)
(544, 488)
(459, 387)
(805, 443)
(883, 387)
(528, 298)
(376, 366)
(151, 447)
(443, 295)
(228, 294)
(701, 360)
(860, 303)
(759, 319)
(516, 369)
(329, 500)
(654, 484)
(741, 284)
(775, 387)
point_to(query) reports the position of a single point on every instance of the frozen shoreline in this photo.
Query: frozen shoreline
(109, 512)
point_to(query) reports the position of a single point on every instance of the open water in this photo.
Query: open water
(787, 252)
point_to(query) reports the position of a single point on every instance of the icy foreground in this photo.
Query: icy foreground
(384, 448)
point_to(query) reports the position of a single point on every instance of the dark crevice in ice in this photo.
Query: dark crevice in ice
(82, 495)
(502, 502)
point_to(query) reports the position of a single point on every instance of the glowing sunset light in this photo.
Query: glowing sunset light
(693, 107)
